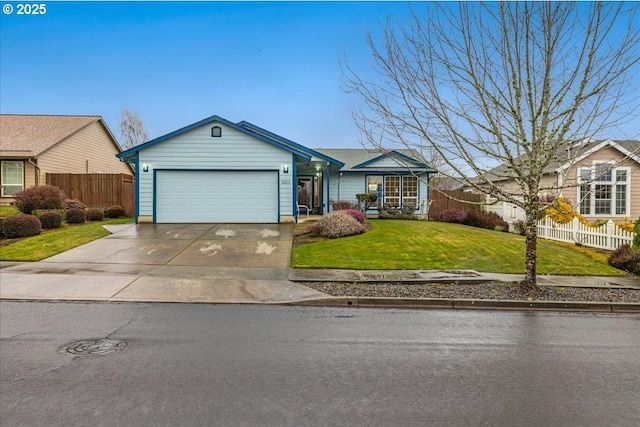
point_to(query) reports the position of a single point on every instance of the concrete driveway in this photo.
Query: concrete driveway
(225, 263)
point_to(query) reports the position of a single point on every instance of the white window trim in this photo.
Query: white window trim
(613, 183)
(400, 191)
(2, 184)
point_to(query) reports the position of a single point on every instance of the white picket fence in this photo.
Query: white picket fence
(608, 236)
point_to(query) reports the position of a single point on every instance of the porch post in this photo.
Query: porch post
(328, 176)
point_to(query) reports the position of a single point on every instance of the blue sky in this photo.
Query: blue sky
(273, 64)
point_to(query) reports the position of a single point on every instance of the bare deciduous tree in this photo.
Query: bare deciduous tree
(504, 83)
(132, 130)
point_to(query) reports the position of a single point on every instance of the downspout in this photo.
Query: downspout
(37, 173)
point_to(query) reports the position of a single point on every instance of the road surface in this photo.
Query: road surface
(186, 364)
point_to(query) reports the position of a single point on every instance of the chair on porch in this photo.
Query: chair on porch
(304, 208)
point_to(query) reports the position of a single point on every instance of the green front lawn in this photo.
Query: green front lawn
(54, 241)
(428, 245)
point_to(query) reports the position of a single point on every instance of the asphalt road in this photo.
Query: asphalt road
(191, 365)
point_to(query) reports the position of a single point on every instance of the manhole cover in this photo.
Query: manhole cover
(91, 347)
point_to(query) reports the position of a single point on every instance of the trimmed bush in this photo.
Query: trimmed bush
(50, 220)
(484, 219)
(391, 212)
(21, 225)
(73, 204)
(337, 224)
(75, 216)
(456, 216)
(625, 259)
(341, 205)
(356, 214)
(95, 214)
(38, 212)
(115, 212)
(42, 197)
(636, 238)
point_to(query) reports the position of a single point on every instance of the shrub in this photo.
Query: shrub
(625, 259)
(391, 212)
(636, 238)
(484, 219)
(75, 216)
(337, 224)
(73, 204)
(21, 225)
(42, 197)
(355, 213)
(452, 215)
(365, 200)
(95, 214)
(38, 212)
(520, 227)
(341, 205)
(50, 220)
(115, 212)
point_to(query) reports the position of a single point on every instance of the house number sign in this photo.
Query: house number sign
(285, 182)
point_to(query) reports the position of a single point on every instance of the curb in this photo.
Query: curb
(469, 304)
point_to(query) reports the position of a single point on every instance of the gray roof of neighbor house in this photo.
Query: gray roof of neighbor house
(572, 150)
(27, 136)
(355, 159)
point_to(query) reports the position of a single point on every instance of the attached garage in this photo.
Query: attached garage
(203, 196)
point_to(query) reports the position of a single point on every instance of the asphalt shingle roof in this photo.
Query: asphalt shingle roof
(352, 157)
(30, 135)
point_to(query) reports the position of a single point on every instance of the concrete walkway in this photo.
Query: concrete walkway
(222, 264)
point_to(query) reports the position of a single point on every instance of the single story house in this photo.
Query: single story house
(215, 170)
(33, 145)
(600, 178)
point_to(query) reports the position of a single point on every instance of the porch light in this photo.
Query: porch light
(145, 167)
(285, 168)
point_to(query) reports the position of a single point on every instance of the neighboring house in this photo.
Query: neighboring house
(33, 145)
(215, 170)
(601, 179)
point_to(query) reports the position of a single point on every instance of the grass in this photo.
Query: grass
(54, 241)
(427, 245)
(8, 210)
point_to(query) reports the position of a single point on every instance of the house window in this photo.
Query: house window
(603, 190)
(216, 132)
(410, 190)
(394, 190)
(12, 177)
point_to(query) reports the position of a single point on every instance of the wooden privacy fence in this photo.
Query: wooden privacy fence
(97, 190)
(608, 236)
(441, 200)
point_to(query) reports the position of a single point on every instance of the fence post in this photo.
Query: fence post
(610, 227)
(575, 228)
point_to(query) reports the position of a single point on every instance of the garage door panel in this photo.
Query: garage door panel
(216, 196)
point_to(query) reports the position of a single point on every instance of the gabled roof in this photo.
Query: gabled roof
(217, 119)
(28, 136)
(574, 151)
(360, 159)
(313, 153)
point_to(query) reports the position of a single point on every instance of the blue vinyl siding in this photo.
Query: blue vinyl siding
(197, 150)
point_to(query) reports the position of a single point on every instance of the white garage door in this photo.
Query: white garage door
(216, 196)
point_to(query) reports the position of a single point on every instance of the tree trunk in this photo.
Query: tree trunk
(532, 243)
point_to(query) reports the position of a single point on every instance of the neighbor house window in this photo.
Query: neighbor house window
(216, 132)
(12, 177)
(394, 190)
(603, 190)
